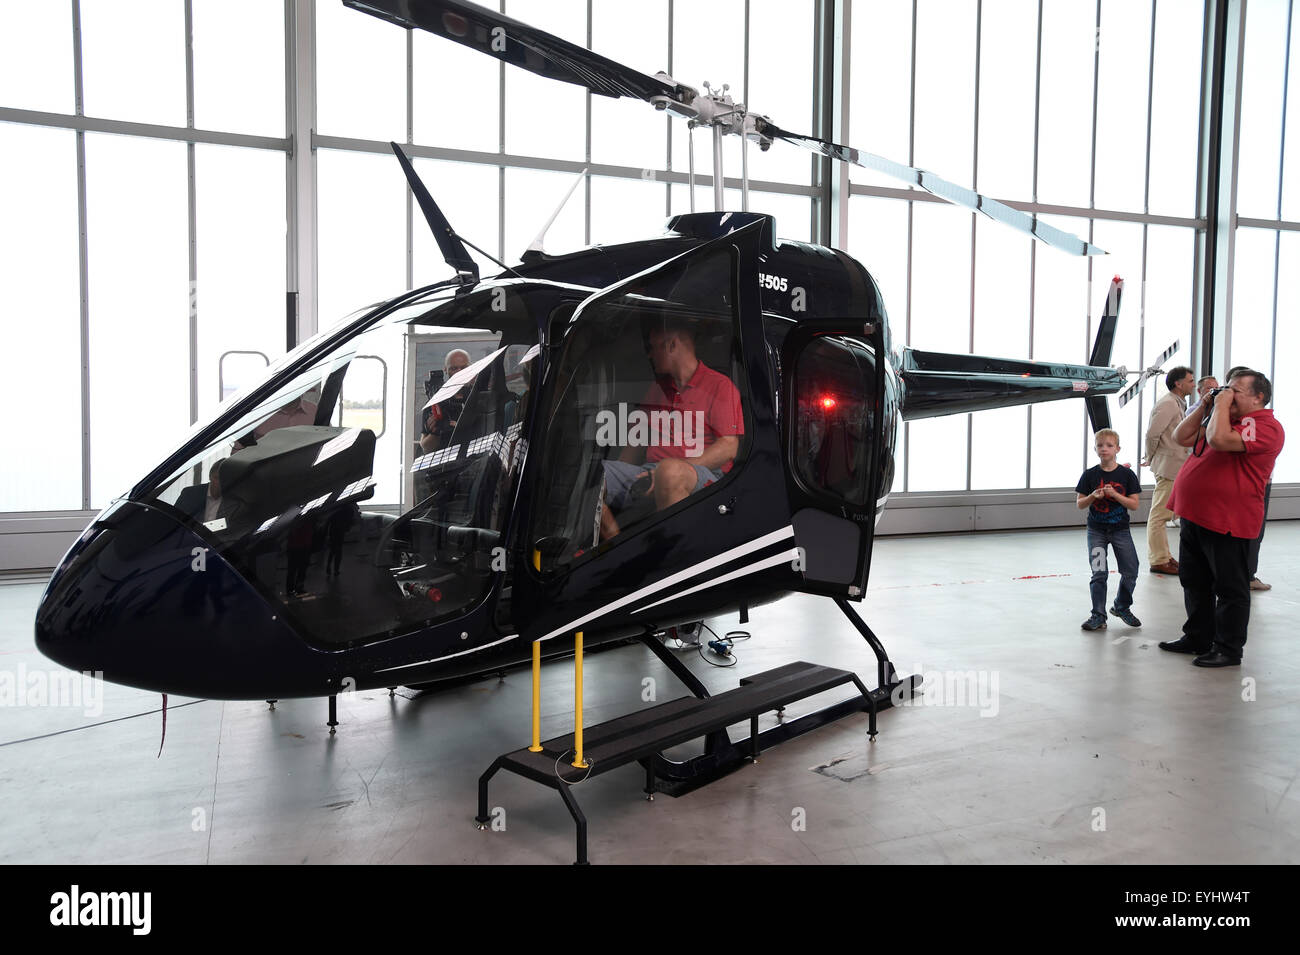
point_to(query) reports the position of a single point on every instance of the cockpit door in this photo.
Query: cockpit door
(656, 468)
(838, 431)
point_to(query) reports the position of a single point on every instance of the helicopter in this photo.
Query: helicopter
(290, 547)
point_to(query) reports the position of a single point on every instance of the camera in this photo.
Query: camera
(1214, 392)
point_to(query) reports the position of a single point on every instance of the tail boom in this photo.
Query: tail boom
(937, 383)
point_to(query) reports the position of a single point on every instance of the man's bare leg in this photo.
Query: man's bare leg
(675, 479)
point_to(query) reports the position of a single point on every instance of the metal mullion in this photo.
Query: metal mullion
(1142, 342)
(184, 134)
(1281, 167)
(911, 161)
(192, 225)
(571, 166)
(1092, 202)
(1201, 244)
(819, 122)
(744, 83)
(501, 148)
(303, 289)
(839, 22)
(1285, 225)
(1146, 208)
(1151, 82)
(586, 180)
(1214, 43)
(1227, 265)
(974, 184)
(1033, 250)
(819, 170)
(410, 138)
(83, 255)
(291, 238)
(744, 152)
(668, 185)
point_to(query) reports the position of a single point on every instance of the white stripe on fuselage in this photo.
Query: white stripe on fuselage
(726, 557)
(459, 653)
(790, 555)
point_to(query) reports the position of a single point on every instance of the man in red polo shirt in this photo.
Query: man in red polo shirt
(1219, 494)
(693, 424)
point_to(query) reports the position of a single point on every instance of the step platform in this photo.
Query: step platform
(643, 736)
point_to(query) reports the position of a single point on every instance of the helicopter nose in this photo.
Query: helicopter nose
(141, 600)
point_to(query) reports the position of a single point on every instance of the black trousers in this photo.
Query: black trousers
(1216, 588)
(1252, 564)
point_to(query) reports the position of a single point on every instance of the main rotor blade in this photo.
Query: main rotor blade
(958, 195)
(517, 43)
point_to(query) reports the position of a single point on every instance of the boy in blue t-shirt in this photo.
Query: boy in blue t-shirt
(1109, 491)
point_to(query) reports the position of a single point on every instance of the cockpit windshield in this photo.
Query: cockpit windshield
(369, 488)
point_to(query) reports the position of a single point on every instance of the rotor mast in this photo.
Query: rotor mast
(716, 109)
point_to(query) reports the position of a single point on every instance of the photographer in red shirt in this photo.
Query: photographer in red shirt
(1219, 494)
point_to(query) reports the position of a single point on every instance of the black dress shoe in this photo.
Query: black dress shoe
(1216, 659)
(1182, 646)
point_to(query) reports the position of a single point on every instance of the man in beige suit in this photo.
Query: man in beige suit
(1165, 456)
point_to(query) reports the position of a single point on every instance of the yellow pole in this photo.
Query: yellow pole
(537, 698)
(578, 761)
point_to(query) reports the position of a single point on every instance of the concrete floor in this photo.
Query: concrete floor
(1094, 748)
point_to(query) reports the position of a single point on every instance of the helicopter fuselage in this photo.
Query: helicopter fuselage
(320, 573)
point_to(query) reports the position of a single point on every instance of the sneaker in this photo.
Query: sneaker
(1257, 584)
(1096, 622)
(1127, 616)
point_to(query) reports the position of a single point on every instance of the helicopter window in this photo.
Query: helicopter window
(326, 502)
(834, 392)
(644, 408)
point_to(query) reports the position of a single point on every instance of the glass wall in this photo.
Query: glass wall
(135, 250)
(146, 217)
(1265, 296)
(1086, 113)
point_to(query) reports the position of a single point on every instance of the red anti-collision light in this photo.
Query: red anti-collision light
(434, 594)
(828, 403)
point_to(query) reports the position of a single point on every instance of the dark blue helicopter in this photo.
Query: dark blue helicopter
(289, 549)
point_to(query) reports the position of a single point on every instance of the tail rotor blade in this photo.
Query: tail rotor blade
(1098, 413)
(1127, 394)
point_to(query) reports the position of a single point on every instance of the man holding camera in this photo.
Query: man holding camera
(1165, 457)
(1219, 494)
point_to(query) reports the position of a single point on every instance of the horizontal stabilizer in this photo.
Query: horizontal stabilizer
(937, 383)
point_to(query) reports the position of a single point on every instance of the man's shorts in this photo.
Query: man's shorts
(620, 476)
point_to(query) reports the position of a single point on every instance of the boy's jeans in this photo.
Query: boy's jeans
(1119, 538)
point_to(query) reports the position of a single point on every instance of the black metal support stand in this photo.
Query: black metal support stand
(679, 669)
(885, 673)
(644, 735)
(334, 714)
